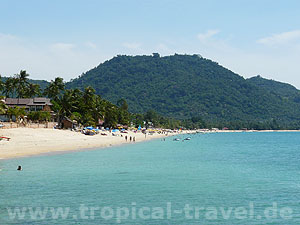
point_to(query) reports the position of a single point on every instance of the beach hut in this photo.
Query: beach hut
(67, 123)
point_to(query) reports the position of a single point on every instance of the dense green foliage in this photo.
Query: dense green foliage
(85, 107)
(174, 91)
(282, 90)
(189, 86)
(20, 86)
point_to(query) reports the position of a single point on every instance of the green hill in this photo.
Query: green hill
(284, 90)
(185, 86)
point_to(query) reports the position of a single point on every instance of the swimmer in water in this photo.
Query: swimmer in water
(19, 168)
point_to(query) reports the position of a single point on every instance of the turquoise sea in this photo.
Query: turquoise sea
(218, 178)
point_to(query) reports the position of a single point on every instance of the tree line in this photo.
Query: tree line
(84, 106)
(90, 109)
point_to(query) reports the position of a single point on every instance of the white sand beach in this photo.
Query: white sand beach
(33, 141)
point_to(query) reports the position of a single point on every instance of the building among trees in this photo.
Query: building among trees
(30, 104)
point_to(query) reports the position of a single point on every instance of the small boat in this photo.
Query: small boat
(187, 139)
(176, 139)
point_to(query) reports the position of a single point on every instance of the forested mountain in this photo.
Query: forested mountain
(281, 89)
(185, 86)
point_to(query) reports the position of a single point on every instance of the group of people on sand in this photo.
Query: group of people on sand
(130, 138)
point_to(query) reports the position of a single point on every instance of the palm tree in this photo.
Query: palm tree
(22, 83)
(3, 107)
(21, 117)
(89, 97)
(32, 90)
(65, 105)
(18, 112)
(124, 116)
(1, 85)
(110, 115)
(11, 111)
(99, 109)
(89, 109)
(55, 88)
(76, 99)
(9, 87)
(122, 104)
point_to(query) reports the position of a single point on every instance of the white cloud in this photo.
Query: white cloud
(203, 37)
(281, 38)
(90, 44)
(163, 48)
(132, 45)
(208, 42)
(7, 37)
(45, 60)
(62, 46)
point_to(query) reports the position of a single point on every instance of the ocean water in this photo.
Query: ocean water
(220, 178)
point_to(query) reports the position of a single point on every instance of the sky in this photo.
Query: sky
(69, 37)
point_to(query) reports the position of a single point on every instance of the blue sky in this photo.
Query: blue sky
(66, 38)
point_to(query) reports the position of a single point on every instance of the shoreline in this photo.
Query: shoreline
(66, 151)
(26, 142)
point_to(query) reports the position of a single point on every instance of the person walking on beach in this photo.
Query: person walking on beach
(126, 137)
(130, 138)
(133, 139)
